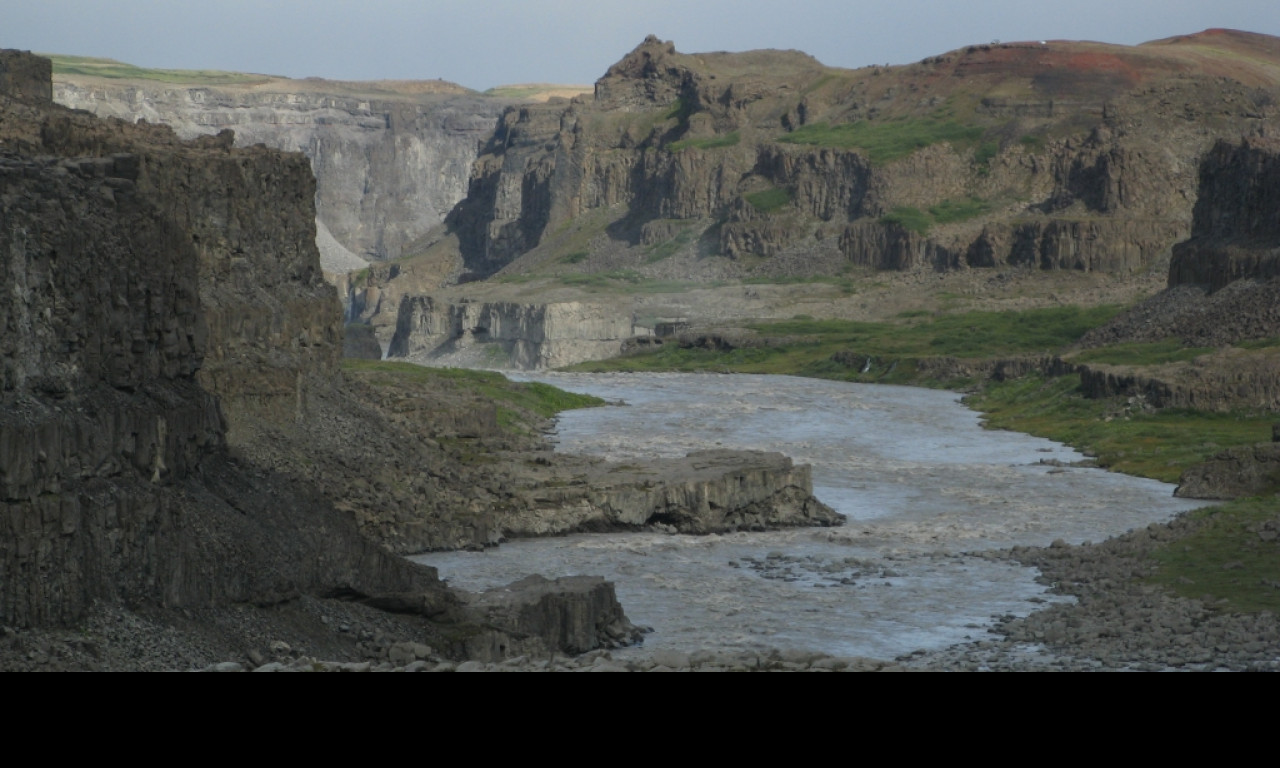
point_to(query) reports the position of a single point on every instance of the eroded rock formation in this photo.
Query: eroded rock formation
(506, 334)
(1223, 290)
(705, 492)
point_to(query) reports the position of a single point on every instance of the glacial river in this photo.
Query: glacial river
(923, 485)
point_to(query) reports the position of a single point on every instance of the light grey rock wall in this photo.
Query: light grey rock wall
(508, 334)
(387, 170)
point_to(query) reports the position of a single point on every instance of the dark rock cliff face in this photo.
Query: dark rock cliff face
(1096, 173)
(1224, 281)
(1236, 228)
(166, 338)
(154, 301)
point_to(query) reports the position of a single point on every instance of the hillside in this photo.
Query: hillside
(1054, 155)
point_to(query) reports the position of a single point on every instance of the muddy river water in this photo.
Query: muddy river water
(924, 486)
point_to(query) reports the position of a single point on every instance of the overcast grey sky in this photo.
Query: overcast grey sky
(493, 42)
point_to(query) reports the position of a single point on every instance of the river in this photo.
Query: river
(926, 490)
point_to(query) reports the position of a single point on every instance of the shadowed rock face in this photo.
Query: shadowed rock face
(160, 295)
(1224, 288)
(1239, 472)
(1236, 232)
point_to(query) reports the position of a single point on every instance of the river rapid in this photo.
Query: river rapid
(925, 488)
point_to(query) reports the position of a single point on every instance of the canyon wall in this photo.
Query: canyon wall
(176, 433)
(389, 165)
(1091, 167)
(1224, 290)
(166, 337)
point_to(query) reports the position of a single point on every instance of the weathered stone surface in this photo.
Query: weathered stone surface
(696, 138)
(996, 369)
(1227, 380)
(706, 492)
(535, 616)
(1246, 471)
(525, 336)
(26, 77)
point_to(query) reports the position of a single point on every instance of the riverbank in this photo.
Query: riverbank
(1197, 593)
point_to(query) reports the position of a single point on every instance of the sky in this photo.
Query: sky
(484, 43)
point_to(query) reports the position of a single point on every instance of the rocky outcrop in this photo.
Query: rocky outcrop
(706, 492)
(1224, 281)
(1231, 379)
(1246, 471)
(1236, 233)
(995, 369)
(505, 334)
(160, 296)
(389, 165)
(536, 617)
(27, 77)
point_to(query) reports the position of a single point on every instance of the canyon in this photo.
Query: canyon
(392, 158)
(181, 437)
(178, 437)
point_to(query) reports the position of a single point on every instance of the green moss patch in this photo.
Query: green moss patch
(1233, 555)
(1153, 353)
(519, 403)
(838, 349)
(769, 200)
(713, 142)
(1159, 445)
(118, 70)
(884, 142)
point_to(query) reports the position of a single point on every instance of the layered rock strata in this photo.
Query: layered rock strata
(1223, 290)
(1235, 229)
(507, 334)
(1222, 381)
